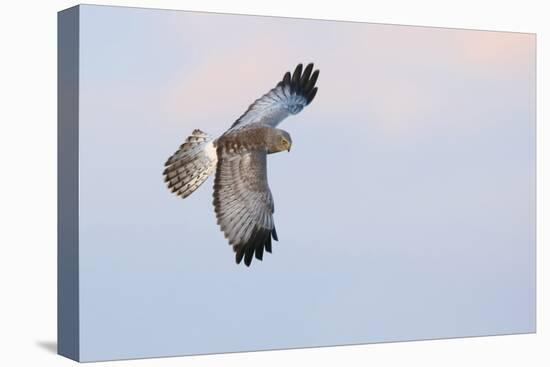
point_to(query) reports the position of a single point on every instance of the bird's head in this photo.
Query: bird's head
(278, 141)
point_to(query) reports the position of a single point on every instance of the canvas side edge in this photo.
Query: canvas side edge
(68, 328)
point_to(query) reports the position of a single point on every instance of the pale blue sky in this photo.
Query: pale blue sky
(405, 210)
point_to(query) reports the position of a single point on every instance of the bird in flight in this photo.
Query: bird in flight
(242, 199)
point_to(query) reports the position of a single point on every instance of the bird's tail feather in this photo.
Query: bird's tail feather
(191, 164)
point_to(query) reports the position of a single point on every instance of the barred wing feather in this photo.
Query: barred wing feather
(243, 203)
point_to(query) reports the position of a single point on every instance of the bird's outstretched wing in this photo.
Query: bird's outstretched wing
(243, 203)
(289, 96)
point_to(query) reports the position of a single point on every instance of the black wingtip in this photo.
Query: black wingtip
(310, 84)
(286, 78)
(239, 253)
(268, 245)
(248, 258)
(301, 81)
(260, 252)
(296, 76)
(311, 95)
(259, 241)
(306, 74)
(274, 234)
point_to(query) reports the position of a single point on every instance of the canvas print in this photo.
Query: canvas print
(237, 183)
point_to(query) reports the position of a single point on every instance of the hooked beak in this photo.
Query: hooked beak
(289, 146)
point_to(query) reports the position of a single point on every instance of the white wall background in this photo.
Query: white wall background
(28, 182)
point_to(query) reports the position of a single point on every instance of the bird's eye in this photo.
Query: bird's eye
(284, 141)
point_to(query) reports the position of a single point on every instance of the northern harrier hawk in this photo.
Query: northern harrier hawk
(242, 199)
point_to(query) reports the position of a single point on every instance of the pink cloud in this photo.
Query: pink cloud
(496, 51)
(389, 72)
